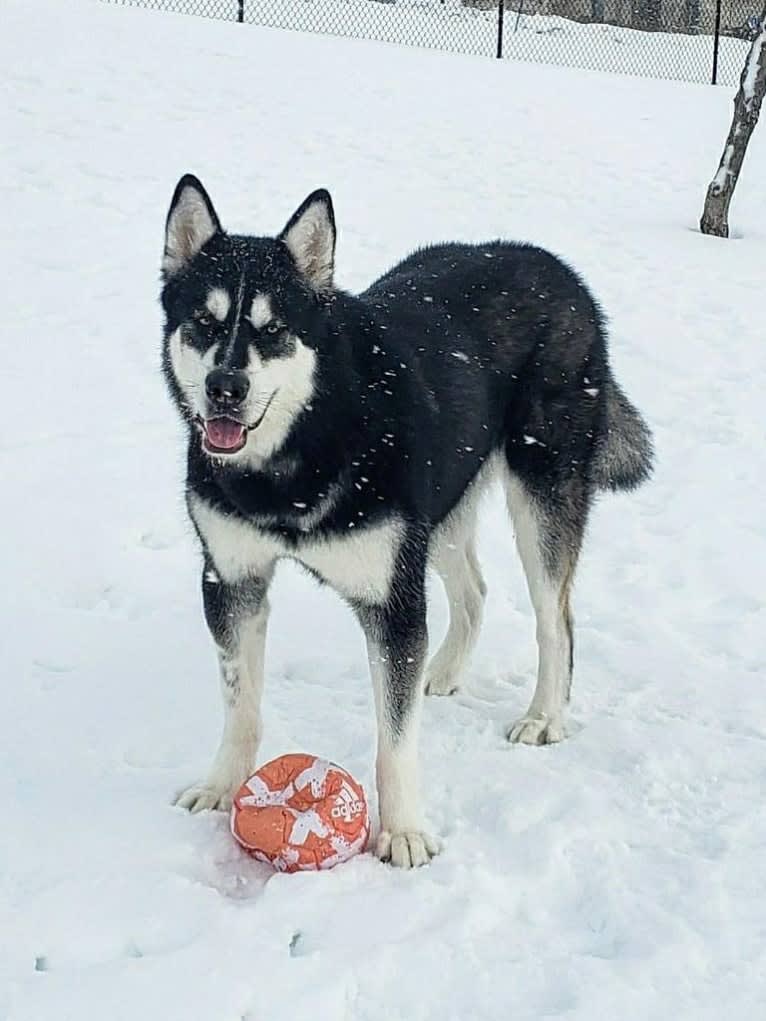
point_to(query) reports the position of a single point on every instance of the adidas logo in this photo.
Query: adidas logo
(347, 805)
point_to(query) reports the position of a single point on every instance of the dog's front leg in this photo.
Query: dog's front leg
(237, 615)
(397, 646)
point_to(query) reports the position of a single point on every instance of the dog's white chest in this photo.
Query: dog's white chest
(359, 565)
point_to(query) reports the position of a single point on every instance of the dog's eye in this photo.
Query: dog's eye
(273, 329)
(203, 319)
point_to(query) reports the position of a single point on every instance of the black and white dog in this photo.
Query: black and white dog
(355, 435)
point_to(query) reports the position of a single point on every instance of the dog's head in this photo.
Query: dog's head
(244, 318)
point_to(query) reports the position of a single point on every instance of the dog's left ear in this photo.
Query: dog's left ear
(191, 223)
(310, 239)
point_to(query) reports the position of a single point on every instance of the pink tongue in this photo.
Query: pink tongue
(223, 433)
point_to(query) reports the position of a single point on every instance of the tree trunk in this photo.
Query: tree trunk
(747, 106)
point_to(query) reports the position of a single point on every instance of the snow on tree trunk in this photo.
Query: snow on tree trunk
(747, 106)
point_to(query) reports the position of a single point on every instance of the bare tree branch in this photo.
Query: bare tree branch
(747, 107)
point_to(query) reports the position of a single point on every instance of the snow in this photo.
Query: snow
(724, 171)
(620, 873)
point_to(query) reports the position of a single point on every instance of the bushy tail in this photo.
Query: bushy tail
(625, 455)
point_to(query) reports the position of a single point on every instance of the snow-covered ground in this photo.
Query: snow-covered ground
(529, 34)
(619, 874)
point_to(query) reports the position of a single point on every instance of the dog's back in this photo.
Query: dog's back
(507, 347)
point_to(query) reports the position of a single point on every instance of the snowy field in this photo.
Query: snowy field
(619, 874)
(530, 36)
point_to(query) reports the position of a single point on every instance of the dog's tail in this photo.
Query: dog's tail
(625, 454)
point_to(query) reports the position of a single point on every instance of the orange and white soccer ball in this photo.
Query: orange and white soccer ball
(299, 813)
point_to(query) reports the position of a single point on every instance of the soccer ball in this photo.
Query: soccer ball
(301, 813)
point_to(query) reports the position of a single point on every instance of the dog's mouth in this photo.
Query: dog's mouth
(222, 435)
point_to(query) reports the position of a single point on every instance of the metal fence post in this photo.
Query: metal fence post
(716, 41)
(241, 12)
(500, 17)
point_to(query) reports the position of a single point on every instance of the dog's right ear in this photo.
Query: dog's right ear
(191, 223)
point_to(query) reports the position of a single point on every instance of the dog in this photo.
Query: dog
(355, 435)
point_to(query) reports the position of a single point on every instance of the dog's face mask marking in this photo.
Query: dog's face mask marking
(244, 322)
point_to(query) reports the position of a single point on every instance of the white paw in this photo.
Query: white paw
(540, 729)
(203, 797)
(406, 850)
(441, 682)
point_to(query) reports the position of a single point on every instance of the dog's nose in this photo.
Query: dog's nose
(227, 387)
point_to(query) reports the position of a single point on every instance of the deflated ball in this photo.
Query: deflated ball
(301, 813)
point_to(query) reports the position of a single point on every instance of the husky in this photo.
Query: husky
(355, 434)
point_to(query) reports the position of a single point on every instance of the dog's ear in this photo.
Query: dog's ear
(310, 239)
(191, 223)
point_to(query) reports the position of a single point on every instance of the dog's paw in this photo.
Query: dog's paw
(537, 730)
(407, 850)
(203, 797)
(441, 682)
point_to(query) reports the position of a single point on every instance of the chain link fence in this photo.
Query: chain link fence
(688, 40)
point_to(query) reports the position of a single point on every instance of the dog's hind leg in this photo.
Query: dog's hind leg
(455, 561)
(548, 536)
(237, 615)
